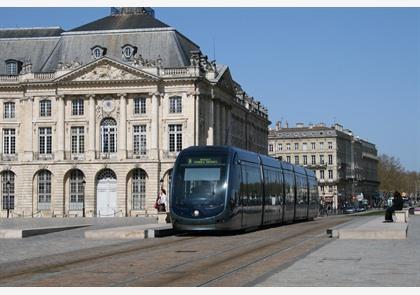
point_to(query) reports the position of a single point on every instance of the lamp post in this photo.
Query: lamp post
(84, 185)
(8, 197)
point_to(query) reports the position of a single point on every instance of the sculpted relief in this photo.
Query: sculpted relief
(107, 72)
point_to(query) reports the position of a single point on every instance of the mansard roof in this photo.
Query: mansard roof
(30, 32)
(122, 22)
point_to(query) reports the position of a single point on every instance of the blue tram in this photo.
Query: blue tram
(227, 188)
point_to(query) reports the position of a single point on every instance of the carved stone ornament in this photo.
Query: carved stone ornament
(107, 72)
(108, 105)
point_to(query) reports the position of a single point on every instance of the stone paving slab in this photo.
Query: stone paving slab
(372, 229)
(356, 263)
(131, 232)
(28, 232)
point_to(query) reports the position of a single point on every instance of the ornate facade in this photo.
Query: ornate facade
(345, 165)
(93, 118)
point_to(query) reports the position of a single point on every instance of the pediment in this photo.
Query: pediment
(106, 69)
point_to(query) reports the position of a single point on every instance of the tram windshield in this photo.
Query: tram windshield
(200, 181)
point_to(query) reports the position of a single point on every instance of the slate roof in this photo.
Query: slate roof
(152, 38)
(122, 22)
(30, 32)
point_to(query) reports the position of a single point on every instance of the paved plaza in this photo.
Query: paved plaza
(357, 263)
(59, 242)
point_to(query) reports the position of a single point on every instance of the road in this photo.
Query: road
(184, 260)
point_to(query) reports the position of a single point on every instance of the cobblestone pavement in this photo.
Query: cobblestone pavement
(58, 242)
(352, 263)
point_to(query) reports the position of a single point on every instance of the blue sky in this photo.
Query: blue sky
(359, 67)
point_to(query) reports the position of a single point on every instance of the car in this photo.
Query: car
(349, 210)
(360, 209)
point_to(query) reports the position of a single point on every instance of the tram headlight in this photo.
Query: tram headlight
(196, 213)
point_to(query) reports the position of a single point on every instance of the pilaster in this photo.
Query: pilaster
(92, 128)
(122, 133)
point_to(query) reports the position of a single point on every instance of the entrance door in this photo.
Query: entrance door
(106, 193)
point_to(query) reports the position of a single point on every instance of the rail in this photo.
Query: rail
(44, 76)
(7, 78)
(110, 215)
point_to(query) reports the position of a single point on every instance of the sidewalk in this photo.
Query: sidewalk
(357, 263)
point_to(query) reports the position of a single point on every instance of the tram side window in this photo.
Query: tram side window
(270, 183)
(289, 187)
(251, 181)
(279, 187)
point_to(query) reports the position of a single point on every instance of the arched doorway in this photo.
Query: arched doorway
(106, 193)
(8, 190)
(75, 183)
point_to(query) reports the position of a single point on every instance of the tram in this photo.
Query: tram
(226, 188)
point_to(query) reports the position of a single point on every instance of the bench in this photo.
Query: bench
(401, 216)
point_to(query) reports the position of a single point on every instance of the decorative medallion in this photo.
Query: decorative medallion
(108, 105)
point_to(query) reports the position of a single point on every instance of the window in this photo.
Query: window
(139, 190)
(175, 104)
(288, 146)
(304, 146)
(9, 141)
(139, 139)
(77, 107)
(321, 159)
(8, 190)
(77, 140)
(45, 108)
(305, 160)
(313, 145)
(98, 52)
(330, 174)
(321, 174)
(330, 159)
(76, 190)
(288, 159)
(321, 145)
(280, 158)
(9, 110)
(270, 148)
(322, 189)
(297, 160)
(330, 145)
(313, 161)
(45, 140)
(175, 138)
(108, 135)
(12, 67)
(279, 147)
(330, 189)
(44, 190)
(128, 51)
(296, 146)
(140, 105)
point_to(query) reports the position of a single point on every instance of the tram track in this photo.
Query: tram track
(178, 261)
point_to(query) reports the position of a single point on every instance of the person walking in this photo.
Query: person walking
(162, 201)
(397, 204)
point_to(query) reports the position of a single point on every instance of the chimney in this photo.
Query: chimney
(310, 125)
(300, 125)
(287, 124)
(278, 125)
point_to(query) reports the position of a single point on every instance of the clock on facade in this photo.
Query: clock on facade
(108, 105)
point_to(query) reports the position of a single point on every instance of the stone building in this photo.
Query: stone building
(345, 165)
(93, 118)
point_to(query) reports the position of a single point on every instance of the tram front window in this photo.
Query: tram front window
(200, 185)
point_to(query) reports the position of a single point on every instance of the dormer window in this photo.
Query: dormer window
(13, 67)
(128, 51)
(98, 52)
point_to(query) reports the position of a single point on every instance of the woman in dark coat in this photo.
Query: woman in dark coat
(397, 204)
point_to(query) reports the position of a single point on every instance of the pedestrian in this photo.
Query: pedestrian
(162, 201)
(397, 204)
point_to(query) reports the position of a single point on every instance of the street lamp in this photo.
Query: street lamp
(83, 185)
(8, 197)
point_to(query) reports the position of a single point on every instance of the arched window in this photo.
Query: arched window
(106, 174)
(8, 189)
(139, 189)
(98, 51)
(77, 190)
(44, 190)
(108, 135)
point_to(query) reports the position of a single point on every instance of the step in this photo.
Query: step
(28, 232)
(145, 231)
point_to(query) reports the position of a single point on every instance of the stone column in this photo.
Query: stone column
(154, 151)
(122, 132)
(228, 125)
(92, 128)
(210, 134)
(216, 123)
(27, 131)
(60, 128)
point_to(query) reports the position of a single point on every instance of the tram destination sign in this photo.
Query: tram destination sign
(204, 161)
